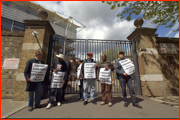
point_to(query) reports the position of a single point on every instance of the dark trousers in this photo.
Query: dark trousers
(53, 91)
(109, 92)
(63, 89)
(81, 89)
(128, 81)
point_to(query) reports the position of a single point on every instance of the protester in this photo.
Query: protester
(107, 65)
(79, 78)
(89, 81)
(124, 79)
(58, 66)
(68, 63)
(33, 86)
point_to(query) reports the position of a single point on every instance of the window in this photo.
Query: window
(18, 26)
(6, 23)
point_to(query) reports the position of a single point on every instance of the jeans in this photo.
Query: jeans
(81, 89)
(128, 81)
(87, 83)
(53, 91)
(63, 90)
(37, 95)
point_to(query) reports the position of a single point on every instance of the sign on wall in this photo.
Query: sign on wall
(11, 63)
(168, 48)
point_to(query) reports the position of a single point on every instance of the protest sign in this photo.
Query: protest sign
(89, 70)
(57, 80)
(127, 66)
(105, 76)
(38, 72)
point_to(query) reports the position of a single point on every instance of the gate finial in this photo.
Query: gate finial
(42, 14)
(138, 22)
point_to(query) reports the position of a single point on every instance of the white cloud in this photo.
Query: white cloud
(100, 21)
(177, 35)
(173, 28)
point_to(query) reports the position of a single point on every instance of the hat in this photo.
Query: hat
(60, 56)
(90, 54)
(121, 52)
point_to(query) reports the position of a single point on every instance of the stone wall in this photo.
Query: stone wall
(11, 46)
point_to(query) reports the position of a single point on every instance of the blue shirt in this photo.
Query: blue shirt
(88, 61)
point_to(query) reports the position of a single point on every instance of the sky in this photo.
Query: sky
(99, 20)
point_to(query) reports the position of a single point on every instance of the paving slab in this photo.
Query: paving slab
(75, 109)
(8, 107)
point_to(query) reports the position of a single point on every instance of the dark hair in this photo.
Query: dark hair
(121, 52)
(73, 59)
(81, 61)
(38, 52)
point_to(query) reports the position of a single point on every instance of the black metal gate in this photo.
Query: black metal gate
(78, 48)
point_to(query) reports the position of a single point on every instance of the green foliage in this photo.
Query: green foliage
(162, 12)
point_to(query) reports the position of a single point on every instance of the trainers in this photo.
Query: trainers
(49, 106)
(58, 104)
(103, 103)
(30, 108)
(110, 104)
(85, 102)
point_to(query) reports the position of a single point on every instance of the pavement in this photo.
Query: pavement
(75, 109)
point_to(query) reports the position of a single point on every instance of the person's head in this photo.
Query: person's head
(39, 55)
(89, 56)
(103, 57)
(80, 61)
(60, 57)
(72, 60)
(121, 55)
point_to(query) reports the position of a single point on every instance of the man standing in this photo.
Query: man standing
(68, 63)
(33, 86)
(124, 79)
(107, 65)
(58, 66)
(89, 81)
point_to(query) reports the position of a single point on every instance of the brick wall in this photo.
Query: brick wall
(11, 45)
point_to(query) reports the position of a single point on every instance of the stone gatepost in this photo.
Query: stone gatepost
(152, 80)
(42, 29)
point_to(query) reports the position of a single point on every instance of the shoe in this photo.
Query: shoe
(92, 101)
(39, 106)
(125, 104)
(137, 105)
(103, 103)
(30, 108)
(49, 106)
(85, 102)
(58, 104)
(110, 104)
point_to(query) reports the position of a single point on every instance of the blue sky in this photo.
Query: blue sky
(100, 21)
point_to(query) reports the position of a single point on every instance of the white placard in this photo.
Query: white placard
(78, 82)
(79, 70)
(11, 63)
(38, 72)
(89, 70)
(105, 76)
(127, 66)
(57, 80)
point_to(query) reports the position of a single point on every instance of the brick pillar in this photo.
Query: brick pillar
(149, 62)
(29, 48)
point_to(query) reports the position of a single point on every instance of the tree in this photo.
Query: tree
(162, 12)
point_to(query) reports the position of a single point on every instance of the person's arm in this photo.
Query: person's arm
(111, 66)
(117, 66)
(27, 71)
(82, 70)
(52, 67)
(65, 70)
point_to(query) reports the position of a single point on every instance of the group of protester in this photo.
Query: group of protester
(65, 67)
